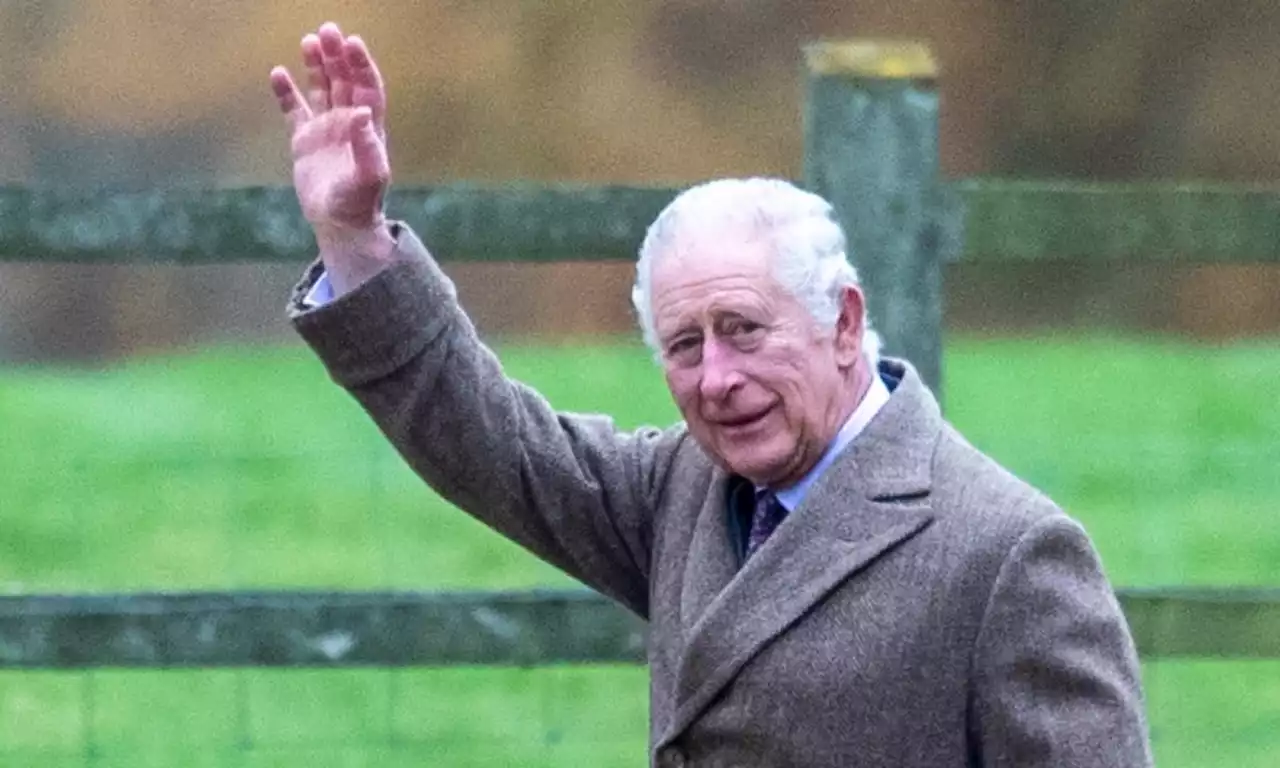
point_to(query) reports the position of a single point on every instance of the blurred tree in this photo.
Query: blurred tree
(1163, 89)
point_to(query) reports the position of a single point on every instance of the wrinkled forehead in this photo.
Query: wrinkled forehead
(709, 279)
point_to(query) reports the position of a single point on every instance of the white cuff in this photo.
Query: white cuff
(321, 292)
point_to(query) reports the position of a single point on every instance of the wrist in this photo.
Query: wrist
(352, 255)
(373, 241)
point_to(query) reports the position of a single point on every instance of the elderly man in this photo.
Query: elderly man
(832, 576)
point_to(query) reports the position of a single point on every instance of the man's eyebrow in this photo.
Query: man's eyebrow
(683, 329)
(743, 313)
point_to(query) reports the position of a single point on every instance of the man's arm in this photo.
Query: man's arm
(570, 488)
(1056, 676)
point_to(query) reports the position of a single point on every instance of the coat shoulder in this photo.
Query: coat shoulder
(682, 463)
(974, 493)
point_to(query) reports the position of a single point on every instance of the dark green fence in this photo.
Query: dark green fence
(871, 127)
(342, 629)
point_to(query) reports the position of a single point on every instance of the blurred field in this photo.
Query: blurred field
(246, 468)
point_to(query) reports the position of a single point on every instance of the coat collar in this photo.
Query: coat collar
(874, 496)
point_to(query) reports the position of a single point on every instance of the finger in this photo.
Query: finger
(368, 151)
(335, 65)
(317, 80)
(294, 107)
(367, 87)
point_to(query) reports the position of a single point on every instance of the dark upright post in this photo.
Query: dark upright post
(871, 149)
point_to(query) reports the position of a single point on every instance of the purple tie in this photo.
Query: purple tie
(768, 513)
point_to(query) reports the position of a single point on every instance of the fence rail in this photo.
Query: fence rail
(344, 629)
(1001, 220)
(871, 128)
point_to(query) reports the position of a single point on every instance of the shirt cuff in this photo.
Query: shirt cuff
(321, 292)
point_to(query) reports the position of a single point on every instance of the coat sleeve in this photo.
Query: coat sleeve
(1056, 676)
(570, 488)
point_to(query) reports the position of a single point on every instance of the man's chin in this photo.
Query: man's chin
(760, 470)
(760, 461)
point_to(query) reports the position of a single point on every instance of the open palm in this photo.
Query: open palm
(337, 132)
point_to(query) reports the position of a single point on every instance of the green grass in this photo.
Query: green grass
(246, 468)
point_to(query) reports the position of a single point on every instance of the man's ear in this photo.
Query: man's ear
(848, 340)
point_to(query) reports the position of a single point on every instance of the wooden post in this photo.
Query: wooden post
(871, 149)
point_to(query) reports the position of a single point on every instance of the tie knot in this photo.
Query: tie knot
(766, 497)
(768, 513)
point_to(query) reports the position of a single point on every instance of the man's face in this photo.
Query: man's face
(762, 388)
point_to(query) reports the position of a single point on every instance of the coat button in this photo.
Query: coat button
(673, 757)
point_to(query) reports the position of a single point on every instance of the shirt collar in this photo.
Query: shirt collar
(875, 399)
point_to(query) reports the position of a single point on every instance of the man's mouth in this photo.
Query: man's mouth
(746, 420)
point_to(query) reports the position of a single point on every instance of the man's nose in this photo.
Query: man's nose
(720, 371)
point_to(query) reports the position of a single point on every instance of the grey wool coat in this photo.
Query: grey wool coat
(922, 607)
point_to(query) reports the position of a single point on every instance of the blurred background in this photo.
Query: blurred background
(129, 93)
(165, 431)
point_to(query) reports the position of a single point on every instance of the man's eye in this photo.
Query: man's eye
(681, 346)
(740, 329)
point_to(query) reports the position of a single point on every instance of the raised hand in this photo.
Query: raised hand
(338, 140)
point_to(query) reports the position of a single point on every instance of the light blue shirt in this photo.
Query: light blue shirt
(321, 292)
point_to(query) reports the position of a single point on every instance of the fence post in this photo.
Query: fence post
(871, 149)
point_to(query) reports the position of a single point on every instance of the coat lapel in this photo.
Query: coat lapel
(712, 563)
(873, 497)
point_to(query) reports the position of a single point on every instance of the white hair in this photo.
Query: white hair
(810, 261)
